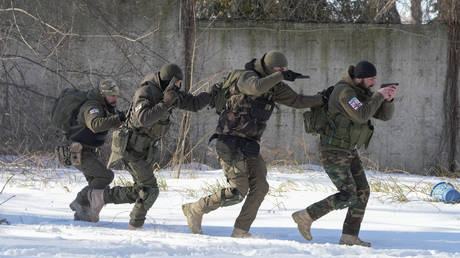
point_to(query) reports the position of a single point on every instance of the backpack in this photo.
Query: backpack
(318, 119)
(66, 108)
(221, 91)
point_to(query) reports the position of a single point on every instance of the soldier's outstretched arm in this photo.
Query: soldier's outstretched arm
(287, 96)
(194, 103)
(251, 84)
(356, 110)
(97, 122)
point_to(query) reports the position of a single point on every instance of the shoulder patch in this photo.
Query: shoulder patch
(138, 107)
(94, 111)
(355, 103)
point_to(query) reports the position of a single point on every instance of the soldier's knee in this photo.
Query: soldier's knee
(149, 195)
(363, 194)
(346, 199)
(263, 188)
(107, 178)
(234, 198)
(110, 176)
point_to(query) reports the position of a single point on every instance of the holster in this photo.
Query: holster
(63, 155)
(75, 153)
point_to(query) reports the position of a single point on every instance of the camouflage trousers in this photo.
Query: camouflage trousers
(247, 177)
(96, 174)
(143, 193)
(347, 174)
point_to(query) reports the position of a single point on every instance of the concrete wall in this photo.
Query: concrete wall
(127, 39)
(414, 56)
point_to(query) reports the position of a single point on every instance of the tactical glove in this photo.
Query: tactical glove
(290, 75)
(171, 98)
(122, 116)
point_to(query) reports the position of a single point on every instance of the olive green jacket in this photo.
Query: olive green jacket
(357, 104)
(256, 83)
(149, 112)
(96, 117)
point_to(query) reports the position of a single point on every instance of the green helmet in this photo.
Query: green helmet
(274, 59)
(168, 71)
(108, 87)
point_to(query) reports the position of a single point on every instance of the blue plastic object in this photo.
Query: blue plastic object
(445, 192)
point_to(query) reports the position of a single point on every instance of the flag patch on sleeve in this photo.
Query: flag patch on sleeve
(355, 103)
(94, 111)
(138, 107)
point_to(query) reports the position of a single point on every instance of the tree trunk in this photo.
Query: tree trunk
(416, 11)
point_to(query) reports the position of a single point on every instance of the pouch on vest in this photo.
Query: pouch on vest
(262, 109)
(75, 153)
(316, 120)
(120, 138)
(361, 134)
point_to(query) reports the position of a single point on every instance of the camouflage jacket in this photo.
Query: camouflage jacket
(252, 100)
(94, 120)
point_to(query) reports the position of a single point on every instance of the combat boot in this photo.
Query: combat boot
(131, 227)
(304, 221)
(194, 217)
(353, 240)
(96, 202)
(81, 211)
(240, 233)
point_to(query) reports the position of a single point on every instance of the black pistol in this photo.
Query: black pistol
(389, 84)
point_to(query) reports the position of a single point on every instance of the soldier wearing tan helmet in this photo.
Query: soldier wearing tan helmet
(148, 121)
(254, 92)
(95, 118)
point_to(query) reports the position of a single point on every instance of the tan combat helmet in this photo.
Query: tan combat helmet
(274, 59)
(108, 87)
(168, 71)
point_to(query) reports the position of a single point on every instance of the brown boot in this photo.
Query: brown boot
(96, 202)
(353, 240)
(194, 217)
(81, 211)
(304, 221)
(240, 233)
(135, 228)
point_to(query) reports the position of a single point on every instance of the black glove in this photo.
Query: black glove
(326, 93)
(171, 98)
(122, 115)
(290, 75)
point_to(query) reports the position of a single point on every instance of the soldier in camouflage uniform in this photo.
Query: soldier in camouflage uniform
(148, 121)
(352, 104)
(95, 118)
(253, 94)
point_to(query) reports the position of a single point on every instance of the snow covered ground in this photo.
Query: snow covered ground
(42, 225)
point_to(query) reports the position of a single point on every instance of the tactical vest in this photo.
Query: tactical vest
(343, 133)
(245, 116)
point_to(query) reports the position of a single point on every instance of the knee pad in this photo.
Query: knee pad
(235, 198)
(345, 199)
(148, 195)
